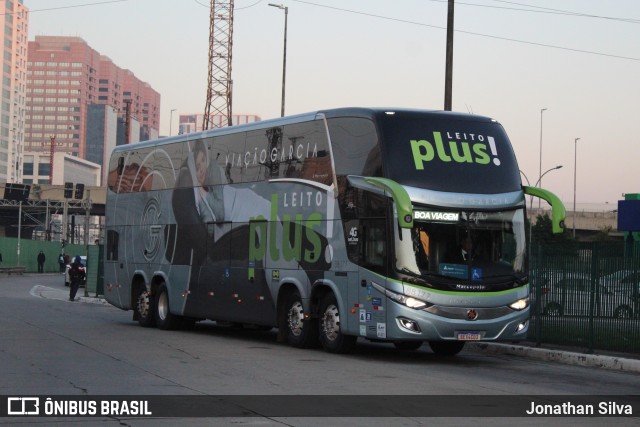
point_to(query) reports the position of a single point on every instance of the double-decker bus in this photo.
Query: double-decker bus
(402, 226)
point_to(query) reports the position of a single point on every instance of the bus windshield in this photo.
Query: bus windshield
(464, 246)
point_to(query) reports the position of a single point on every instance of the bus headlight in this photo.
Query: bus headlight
(402, 299)
(521, 304)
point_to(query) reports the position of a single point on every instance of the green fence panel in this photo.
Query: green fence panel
(29, 250)
(95, 271)
(586, 295)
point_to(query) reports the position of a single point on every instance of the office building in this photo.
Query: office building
(66, 78)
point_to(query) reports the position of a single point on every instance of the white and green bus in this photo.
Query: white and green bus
(402, 226)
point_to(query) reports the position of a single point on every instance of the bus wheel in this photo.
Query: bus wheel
(300, 330)
(446, 348)
(331, 338)
(164, 318)
(144, 308)
(408, 345)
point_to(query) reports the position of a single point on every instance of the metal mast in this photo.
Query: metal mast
(219, 83)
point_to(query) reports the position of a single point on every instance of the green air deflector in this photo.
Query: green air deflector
(558, 211)
(400, 197)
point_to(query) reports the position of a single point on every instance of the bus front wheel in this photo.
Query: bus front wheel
(331, 337)
(298, 326)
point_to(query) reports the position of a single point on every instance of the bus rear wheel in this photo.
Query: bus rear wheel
(164, 318)
(144, 308)
(446, 348)
(331, 337)
(300, 331)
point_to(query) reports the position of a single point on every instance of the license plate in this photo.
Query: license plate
(469, 336)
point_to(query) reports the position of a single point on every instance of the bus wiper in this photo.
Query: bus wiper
(413, 274)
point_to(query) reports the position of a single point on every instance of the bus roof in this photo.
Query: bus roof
(363, 112)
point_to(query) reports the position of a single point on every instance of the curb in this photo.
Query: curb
(63, 295)
(560, 356)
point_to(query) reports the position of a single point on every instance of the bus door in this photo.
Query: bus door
(114, 272)
(365, 210)
(374, 260)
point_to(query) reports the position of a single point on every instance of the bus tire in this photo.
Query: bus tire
(446, 348)
(331, 336)
(144, 309)
(164, 318)
(300, 330)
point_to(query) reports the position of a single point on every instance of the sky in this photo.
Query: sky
(578, 59)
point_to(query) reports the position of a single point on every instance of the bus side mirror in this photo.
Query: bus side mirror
(558, 212)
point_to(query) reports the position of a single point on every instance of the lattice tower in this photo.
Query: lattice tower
(219, 83)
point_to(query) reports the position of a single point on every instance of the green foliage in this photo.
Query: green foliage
(541, 231)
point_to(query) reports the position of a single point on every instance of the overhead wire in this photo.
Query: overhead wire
(565, 12)
(68, 7)
(439, 27)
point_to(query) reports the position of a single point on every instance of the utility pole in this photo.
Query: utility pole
(127, 121)
(87, 210)
(19, 230)
(284, 55)
(448, 83)
(52, 152)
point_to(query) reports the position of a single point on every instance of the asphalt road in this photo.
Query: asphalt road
(54, 347)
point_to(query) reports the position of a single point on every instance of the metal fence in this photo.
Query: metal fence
(586, 295)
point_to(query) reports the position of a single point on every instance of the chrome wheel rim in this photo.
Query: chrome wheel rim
(163, 306)
(295, 318)
(331, 322)
(143, 304)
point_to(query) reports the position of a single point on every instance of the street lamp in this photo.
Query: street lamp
(552, 169)
(284, 56)
(539, 180)
(171, 120)
(575, 166)
(540, 168)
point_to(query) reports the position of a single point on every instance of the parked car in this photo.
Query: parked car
(574, 293)
(626, 282)
(83, 261)
(626, 279)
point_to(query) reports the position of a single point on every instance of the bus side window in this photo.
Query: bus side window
(374, 245)
(113, 239)
(120, 165)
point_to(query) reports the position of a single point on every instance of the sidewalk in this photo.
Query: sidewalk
(618, 362)
(556, 354)
(63, 295)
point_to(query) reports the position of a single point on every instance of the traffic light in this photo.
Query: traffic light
(79, 191)
(68, 190)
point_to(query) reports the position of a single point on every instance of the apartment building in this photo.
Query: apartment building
(14, 39)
